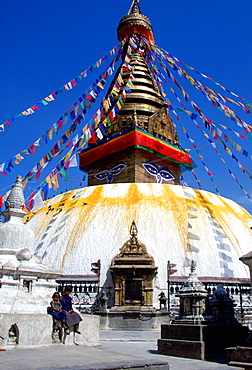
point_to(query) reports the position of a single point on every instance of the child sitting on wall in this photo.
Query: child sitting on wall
(56, 311)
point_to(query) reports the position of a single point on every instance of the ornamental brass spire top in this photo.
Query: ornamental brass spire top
(135, 22)
(134, 8)
(133, 233)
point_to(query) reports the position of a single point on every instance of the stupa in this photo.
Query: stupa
(134, 175)
(27, 284)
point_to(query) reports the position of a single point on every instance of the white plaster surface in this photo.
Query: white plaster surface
(15, 235)
(174, 222)
(36, 330)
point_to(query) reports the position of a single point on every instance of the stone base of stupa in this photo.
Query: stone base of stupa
(35, 330)
(240, 357)
(133, 318)
(200, 341)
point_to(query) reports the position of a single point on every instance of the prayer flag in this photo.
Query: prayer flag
(2, 167)
(37, 202)
(55, 182)
(99, 134)
(73, 161)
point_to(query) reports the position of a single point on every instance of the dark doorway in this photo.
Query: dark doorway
(133, 290)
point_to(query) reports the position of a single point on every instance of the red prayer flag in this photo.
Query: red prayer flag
(32, 149)
(68, 144)
(92, 140)
(38, 173)
(60, 124)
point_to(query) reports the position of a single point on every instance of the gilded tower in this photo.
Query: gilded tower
(141, 144)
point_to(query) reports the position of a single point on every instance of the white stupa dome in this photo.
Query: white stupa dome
(175, 223)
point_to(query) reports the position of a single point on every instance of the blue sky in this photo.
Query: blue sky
(45, 44)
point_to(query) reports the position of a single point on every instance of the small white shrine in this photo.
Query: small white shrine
(26, 283)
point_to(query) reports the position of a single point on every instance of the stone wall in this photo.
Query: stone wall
(24, 331)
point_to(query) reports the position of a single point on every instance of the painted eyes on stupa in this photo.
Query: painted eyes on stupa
(162, 173)
(109, 173)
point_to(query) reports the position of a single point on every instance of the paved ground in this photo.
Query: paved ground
(118, 349)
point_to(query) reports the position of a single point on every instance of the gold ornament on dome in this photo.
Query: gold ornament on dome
(133, 246)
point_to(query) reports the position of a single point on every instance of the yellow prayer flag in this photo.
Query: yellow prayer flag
(129, 84)
(105, 106)
(191, 79)
(55, 182)
(119, 104)
(49, 182)
(120, 79)
(68, 155)
(68, 133)
(50, 133)
(100, 85)
(228, 151)
(104, 122)
(19, 158)
(213, 92)
(48, 99)
(96, 122)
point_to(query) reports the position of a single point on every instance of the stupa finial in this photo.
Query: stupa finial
(135, 22)
(134, 8)
(193, 266)
(16, 197)
(133, 230)
(15, 201)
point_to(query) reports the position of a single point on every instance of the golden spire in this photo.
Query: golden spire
(135, 22)
(134, 8)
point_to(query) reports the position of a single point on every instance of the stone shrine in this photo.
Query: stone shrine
(205, 327)
(192, 299)
(242, 355)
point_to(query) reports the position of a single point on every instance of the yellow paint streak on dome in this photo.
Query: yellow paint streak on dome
(97, 203)
(178, 206)
(134, 198)
(83, 212)
(128, 206)
(222, 213)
